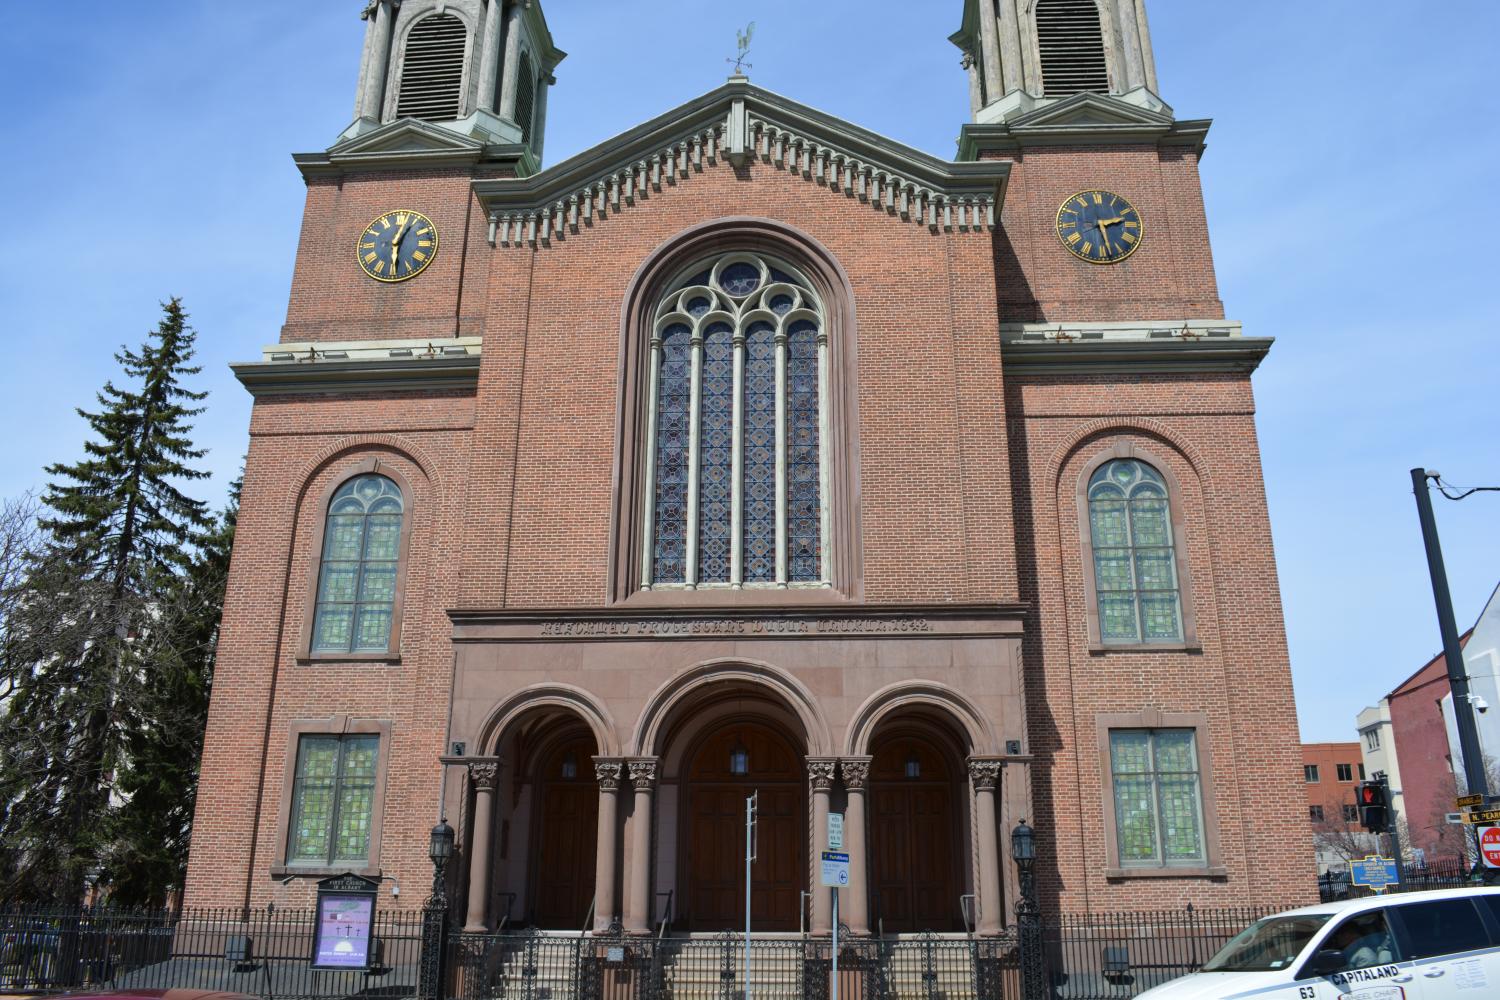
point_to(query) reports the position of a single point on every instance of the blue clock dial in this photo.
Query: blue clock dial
(1100, 227)
(396, 246)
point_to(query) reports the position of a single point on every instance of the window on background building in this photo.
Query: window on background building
(737, 425)
(1372, 739)
(333, 796)
(1351, 813)
(1315, 813)
(1310, 773)
(1158, 798)
(1135, 563)
(1361, 772)
(1345, 772)
(357, 578)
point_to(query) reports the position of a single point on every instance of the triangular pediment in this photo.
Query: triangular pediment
(1083, 110)
(728, 127)
(408, 135)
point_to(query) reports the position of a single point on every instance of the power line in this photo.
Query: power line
(1461, 491)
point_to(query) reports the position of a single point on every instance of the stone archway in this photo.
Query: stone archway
(565, 830)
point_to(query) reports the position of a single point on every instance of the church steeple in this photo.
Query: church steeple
(480, 68)
(1024, 54)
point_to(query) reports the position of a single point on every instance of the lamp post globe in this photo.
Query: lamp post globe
(1023, 844)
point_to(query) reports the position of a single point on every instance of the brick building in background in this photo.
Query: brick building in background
(1331, 771)
(752, 451)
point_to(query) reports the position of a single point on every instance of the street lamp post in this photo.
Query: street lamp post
(435, 915)
(1028, 914)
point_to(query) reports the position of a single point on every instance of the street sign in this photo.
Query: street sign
(835, 869)
(1375, 872)
(1468, 801)
(1489, 845)
(835, 831)
(1483, 816)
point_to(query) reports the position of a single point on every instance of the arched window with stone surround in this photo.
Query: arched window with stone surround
(358, 572)
(1134, 554)
(1070, 43)
(736, 479)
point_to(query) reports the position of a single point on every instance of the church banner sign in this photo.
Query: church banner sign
(346, 919)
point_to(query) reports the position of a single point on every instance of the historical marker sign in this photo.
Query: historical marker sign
(1375, 872)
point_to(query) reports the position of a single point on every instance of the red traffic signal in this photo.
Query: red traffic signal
(1374, 808)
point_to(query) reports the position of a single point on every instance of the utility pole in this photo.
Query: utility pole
(1458, 675)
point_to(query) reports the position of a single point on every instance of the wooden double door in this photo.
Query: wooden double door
(712, 845)
(915, 848)
(567, 834)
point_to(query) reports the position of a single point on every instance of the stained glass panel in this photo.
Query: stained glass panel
(1158, 798)
(674, 400)
(716, 450)
(740, 278)
(804, 491)
(333, 798)
(759, 504)
(361, 544)
(1135, 566)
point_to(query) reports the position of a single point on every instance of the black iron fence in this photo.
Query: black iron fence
(1446, 873)
(267, 953)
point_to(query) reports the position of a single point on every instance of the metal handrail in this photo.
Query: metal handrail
(963, 906)
(666, 919)
(510, 901)
(804, 896)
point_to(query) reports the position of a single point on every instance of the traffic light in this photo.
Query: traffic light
(1374, 809)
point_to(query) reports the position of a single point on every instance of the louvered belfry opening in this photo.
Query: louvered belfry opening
(525, 96)
(432, 73)
(1071, 42)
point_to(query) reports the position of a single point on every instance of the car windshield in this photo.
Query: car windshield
(1273, 943)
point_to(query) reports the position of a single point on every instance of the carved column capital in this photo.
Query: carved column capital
(608, 771)
(855, 771)
(484, 774)
(985, 772)
(643, 773)
(820, 771)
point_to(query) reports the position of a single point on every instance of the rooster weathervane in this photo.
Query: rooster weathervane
(743, 40)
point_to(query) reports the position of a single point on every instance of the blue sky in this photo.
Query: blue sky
(1350, 180)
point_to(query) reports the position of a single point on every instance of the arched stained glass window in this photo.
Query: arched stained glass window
(1135, 564)
(357, 579)
(737, 423)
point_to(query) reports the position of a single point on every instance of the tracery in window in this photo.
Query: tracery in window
(1135, 566)
(738, 387)
(357, 579)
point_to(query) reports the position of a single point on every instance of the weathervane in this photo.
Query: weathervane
(743, 39)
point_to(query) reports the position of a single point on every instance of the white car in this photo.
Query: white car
(1408, 946)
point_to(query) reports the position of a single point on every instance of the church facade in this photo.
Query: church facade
(750, 453)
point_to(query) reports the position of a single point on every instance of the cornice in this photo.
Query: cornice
(1084, 119)
(726, 127)
(412, 144)
(1101, 348)
(300, 377)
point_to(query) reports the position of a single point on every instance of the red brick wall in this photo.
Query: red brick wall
(1422, 753)
(966, 489)
(1171, 274)
(1328, 791)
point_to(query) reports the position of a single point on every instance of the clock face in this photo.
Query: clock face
(1099, 226)
(397, 246)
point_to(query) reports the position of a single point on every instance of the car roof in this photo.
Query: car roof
(1384, 899)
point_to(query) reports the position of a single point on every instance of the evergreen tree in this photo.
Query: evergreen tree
(84, 654)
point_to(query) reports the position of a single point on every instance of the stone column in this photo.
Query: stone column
(372, 100)
(820, 774)
(485, 775)
(512, 63)
(985, 774)
(539, 123)
(607, 770)
(1011, 61)
(368, 16)
(638, 898)
(489, 55)
(855, 910)
(989, 37)
(1132, 74)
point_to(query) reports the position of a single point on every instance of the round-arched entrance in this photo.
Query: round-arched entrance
(734, 760)
(916, 843)
(565, 830)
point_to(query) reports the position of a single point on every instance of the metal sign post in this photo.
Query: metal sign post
(752, 811)
(835, 875)
(835, 843)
